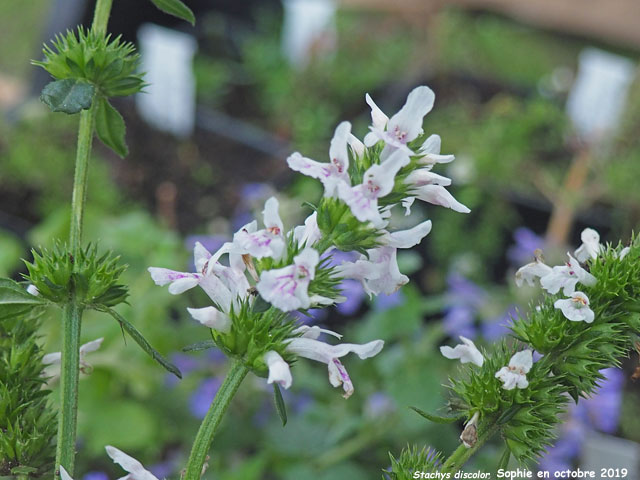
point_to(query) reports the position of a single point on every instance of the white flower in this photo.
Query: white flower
(53, 359)
(466, 352)
(515, 374)
(268, 242)
(224, 285)
(590, 247)
(211, 317)
(279, 371)
(308, 234)
(430, 152)
(424, 176)
(357, 147)
(379, 273)
(336, 171)
(286, 288)
(33, 290)
(134, 467)
(377, 182)
(308, 347)
(437, 195)
(405, 125)
(576, 308)
(566, 277)
(407, 238)
(531, 271)
(623, 253)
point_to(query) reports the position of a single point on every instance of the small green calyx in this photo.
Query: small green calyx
(58, 275)
(254, 333)
(344, 231)
(93, 58)
(68, 96)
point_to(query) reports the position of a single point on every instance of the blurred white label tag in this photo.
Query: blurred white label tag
(598, 96)
(309, 28)
(168, 103)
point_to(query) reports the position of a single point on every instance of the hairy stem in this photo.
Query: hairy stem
(460, 456)
(72, 315)
(210, 424)
(65, 449)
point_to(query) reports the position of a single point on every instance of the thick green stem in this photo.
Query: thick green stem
(460, 456)
(66, 445)
(210, 424)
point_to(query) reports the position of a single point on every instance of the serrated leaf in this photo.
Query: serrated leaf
(436, 418)
(110, 127)
(176, 8)
(281, 408)
(196, 347)
(68, 96)
(140, 340)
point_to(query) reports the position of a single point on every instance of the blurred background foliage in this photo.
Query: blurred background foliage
(501, 87)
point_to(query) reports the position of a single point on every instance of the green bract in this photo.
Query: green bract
(109, 65)
(56, 272)
(413, 460)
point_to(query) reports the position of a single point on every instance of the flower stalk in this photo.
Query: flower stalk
(212, 420)
(72, 314)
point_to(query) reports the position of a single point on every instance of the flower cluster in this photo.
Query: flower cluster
(267, 272)
(566, 277)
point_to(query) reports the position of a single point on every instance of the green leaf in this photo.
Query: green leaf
(110, 127)
(68, 96)
(175, 8)
(504, 459)
(23, 470)
(196, 347)
(279, 402)
(140, 340)
(260, 305)
(436, 418)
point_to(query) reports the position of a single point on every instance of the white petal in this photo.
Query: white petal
(467, 352)
(314, 332)
(356, 145)
(389, 278)
(623, 253)
(33, 290)
(531, 271)
(130, 464)
(423, 176)
(211, 317)
(91, 346)
(409, 238)
(308, 258)
(64, 475)
(378, 119)
(439, 195)
(431, 145)
(523, 360)
(409, 119)
(308, 167)
(308, 234)
(200, 256)
(271, 216)
(338, 154)
(279, 370)
(182, 285)
(52, 358)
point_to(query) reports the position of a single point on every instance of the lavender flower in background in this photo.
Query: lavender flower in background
(464, 299)
(95, 476)
(459, 321)
(201, 399)
(186, 364)
(378, 405)
(386, 302)
(526, 243)
(211, 242)
(497, 327)
(599, 412)
(252, 196)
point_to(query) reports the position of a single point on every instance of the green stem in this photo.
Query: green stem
(72, 315)
(101, 16)
(460, 456)
(66, 445)
(210, 424)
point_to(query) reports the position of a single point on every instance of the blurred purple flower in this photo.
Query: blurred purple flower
(186, 364)
(459, 320)
(379, 404)
(210, 242)
(95, 476)
(463, 291)
(498, 327)
(354, 293)
(385, 302)
(526, 243)
(602, 410)
(201, 399)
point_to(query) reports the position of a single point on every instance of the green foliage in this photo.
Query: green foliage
(176, 8)
(411, 460)
(68, 96)
(281, 408)
(109, 65)
(27, 422)
(341, 229)
(110, 127)
(56, 272)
